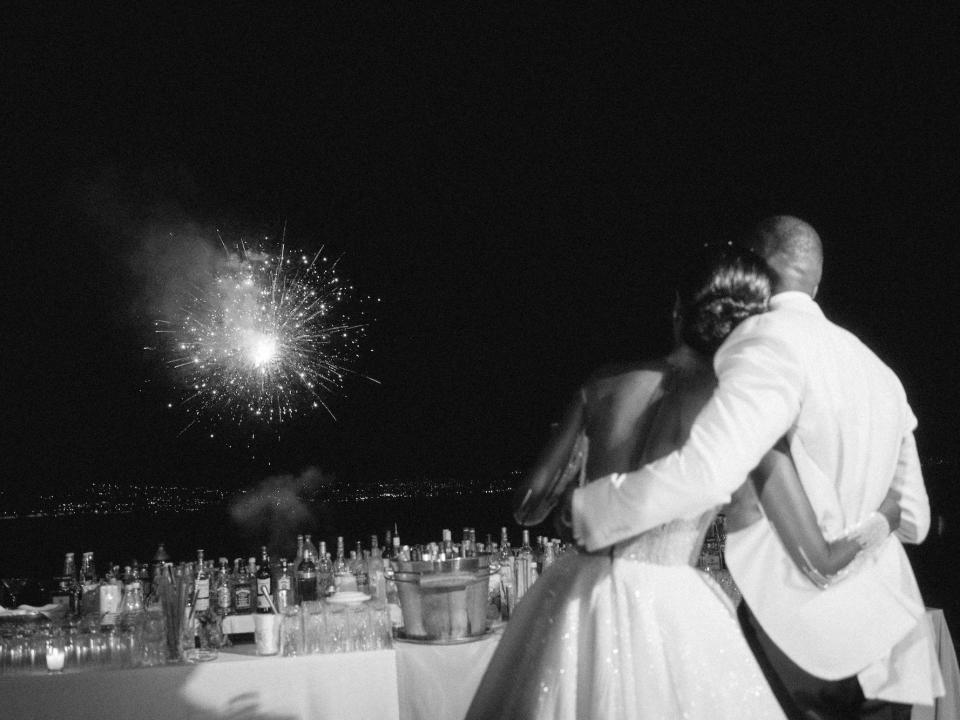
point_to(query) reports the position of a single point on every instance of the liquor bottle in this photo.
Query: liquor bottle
(285, 593)
(343, 579)
(201, 584)
(375, 576)
(307, 577)
(131, 612)
(506, 551)
(466, 549)
(325, 584)
(360, 569)
(526, 570)
(549, 553)
(223, 597)
(64, 590)
(299, 555)
(111, 593)
(89, 589)
(146, 579)
(446, 551)
(387, 551)
(308, 545)
(264, 582)
(395, 548)
(161, 556)
(242, 594)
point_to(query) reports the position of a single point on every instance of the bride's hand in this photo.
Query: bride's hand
(563, 519)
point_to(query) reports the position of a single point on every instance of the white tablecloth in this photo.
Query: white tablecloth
(412, 681)
(437, 682)
(354, 685)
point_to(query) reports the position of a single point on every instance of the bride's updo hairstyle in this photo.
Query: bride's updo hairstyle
(720, 286)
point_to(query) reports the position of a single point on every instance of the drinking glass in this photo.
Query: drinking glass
(314, 630)
(291, 632)
(360, 627)
(267, 633)
(337, 635)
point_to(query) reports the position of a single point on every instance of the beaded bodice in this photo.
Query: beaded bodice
(674, 543)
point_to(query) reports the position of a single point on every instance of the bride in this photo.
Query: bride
(637, 631)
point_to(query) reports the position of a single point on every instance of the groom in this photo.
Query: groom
(860, 647)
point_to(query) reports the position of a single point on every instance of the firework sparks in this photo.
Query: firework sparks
(266, 340)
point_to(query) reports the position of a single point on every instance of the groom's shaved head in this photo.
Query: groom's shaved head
(793, 251)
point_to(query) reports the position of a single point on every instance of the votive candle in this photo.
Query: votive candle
(54, 659)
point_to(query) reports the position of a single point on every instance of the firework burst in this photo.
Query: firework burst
(266, 340)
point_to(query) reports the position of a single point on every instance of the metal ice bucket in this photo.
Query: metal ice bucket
(443, 600)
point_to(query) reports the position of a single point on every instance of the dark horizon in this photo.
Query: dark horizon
(516, 187)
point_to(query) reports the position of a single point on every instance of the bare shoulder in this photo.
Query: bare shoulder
(627, 379)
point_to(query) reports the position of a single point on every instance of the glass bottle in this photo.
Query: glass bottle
(131, 614)
(325, 582)
(308, 545)
(146, 579)
(342, 577)
(447, 551)
(285, 593)
(63, 593)
(222, 591)
(111, 593)
(242, 593)
(90, 589)
(360, 568)
(307, 577)
(201, 584)
(387, 545)
(264, 583)
(375, 577)
(526, 567)
(299, 555)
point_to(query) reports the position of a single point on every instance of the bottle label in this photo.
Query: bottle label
(263, 590)
(223, 597)
(243, 598)
(203, 595)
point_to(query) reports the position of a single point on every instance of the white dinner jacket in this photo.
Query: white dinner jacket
(790, 372)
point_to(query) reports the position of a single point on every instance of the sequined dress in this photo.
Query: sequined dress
(634, 633)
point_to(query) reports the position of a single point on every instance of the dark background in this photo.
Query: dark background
(516, 184)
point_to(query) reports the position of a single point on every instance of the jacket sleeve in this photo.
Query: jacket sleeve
(914, 503)
(755, 403)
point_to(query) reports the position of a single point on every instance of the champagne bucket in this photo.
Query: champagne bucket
(443, 600)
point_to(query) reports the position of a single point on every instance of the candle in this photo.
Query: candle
(54, 659)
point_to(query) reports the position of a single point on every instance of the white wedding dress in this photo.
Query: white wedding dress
(637, 632)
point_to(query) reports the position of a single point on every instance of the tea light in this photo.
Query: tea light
(55, 659)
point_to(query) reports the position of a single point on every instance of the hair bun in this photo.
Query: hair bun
(714, 318)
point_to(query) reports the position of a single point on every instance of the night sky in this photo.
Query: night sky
(516, 185)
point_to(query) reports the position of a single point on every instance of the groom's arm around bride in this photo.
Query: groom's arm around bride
(791, 373)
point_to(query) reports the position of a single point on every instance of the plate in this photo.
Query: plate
(348, 597)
